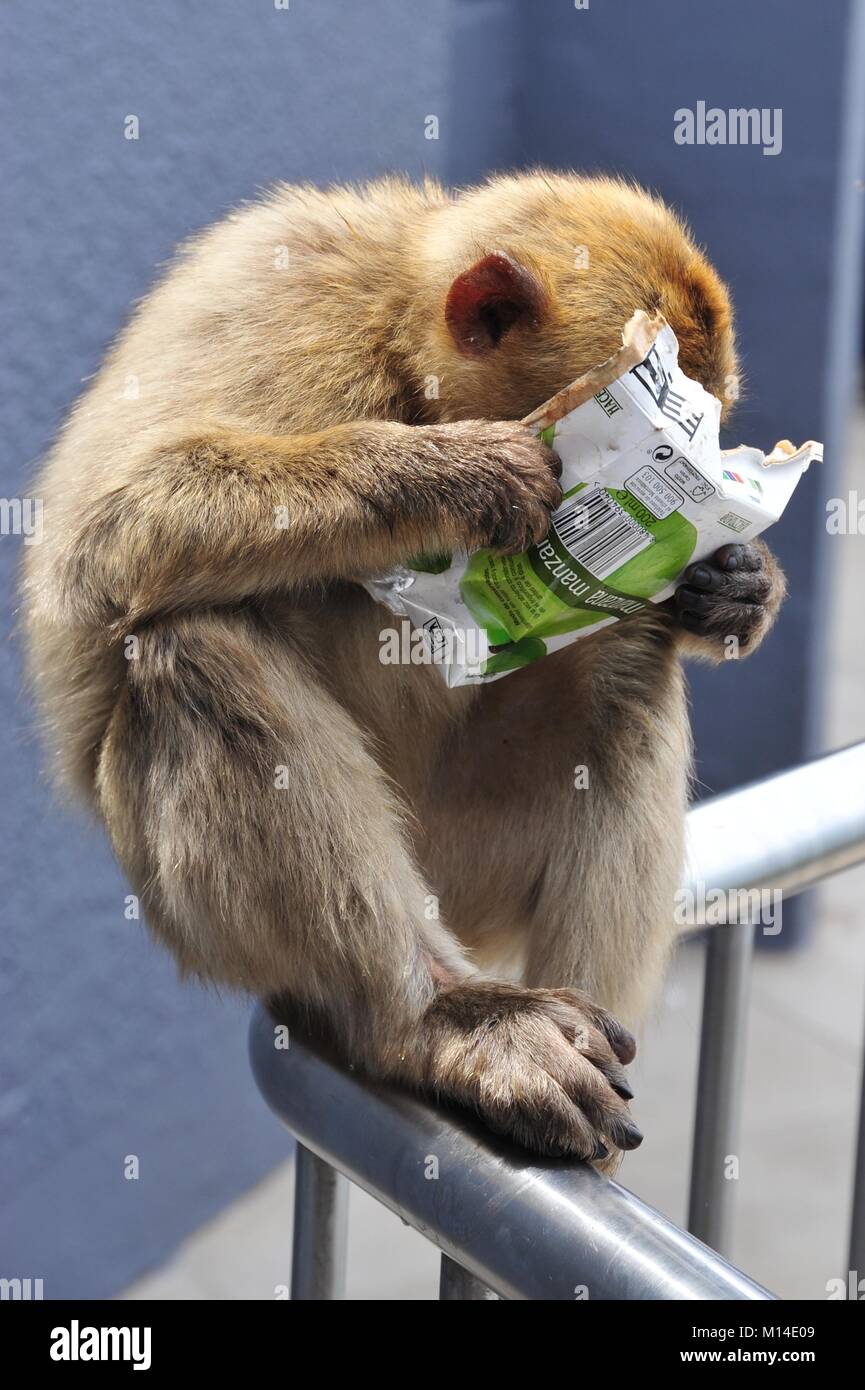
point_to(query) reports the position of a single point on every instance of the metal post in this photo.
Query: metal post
(857, 1221)
(782, 834)
(320, 1229)
(456, 1283)
(719, 1083)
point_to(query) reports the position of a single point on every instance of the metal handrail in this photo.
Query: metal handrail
(526, 1228)
(782, 834)
(785, 832)
(511, 1225)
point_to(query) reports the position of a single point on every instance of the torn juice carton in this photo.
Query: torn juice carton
(647, 492)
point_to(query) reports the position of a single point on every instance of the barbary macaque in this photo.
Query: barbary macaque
(324, 385)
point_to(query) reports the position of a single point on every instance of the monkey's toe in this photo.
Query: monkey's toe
(543, 1067)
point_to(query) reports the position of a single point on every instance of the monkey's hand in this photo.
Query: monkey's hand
(543, 1066)
(502, 481)
(735, 594)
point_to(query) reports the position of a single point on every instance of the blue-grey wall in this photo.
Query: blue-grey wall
(597, 89)
(103, 1054)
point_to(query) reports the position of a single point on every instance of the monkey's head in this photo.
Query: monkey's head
(534, 277)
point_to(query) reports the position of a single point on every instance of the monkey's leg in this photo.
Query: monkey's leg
(604, 907)
(268, 854)
(264, 842)
(569, 781)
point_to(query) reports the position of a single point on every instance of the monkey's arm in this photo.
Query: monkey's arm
(218, 516)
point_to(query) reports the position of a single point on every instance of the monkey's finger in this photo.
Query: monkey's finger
(614, 1073)
(702, 576)
(594, 1045)
(694, 622)
(742, 586)
(693, 601)
(555, 463)
(748, 586)
(598, 1051)
(552, 1122)
(739, 557)
(623, 1042)
(623, 1133)
(596, 1097)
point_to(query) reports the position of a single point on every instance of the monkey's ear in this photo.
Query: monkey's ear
(487, 300)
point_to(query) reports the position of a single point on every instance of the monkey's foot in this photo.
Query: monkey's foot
(543, 1066)
(732, 597)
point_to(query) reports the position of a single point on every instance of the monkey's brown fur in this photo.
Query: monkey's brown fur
(283, 363)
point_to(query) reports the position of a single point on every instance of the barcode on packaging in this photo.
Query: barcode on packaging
(598, 533)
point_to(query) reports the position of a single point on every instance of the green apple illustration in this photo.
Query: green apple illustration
(516, 654)
(487, 576)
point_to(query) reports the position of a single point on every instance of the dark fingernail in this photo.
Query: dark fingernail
(625, 1133)
(731, 562)
(601, 1151)
(623, 1089)
(624, 1044)
(633, 1135)
(701, 576)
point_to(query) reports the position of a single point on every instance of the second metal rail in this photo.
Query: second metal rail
(748, 851)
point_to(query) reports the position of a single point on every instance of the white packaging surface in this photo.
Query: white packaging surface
(647, 492)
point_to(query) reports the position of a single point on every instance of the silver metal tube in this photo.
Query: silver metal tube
(719, 1084)
(778, 836)
(785, 832)
(528, 1229)
(320, 1227)
(857, 1219)
(456, 1283)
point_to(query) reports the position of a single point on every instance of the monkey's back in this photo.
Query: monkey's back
(278, 320)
